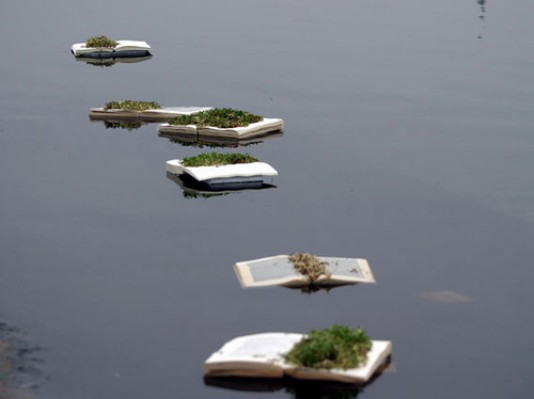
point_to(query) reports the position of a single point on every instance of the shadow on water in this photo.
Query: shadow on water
(21, 368)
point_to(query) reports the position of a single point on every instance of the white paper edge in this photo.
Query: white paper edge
(246, 280)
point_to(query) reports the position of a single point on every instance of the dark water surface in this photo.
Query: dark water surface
(409, 141)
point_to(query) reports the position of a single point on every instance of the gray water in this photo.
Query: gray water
(408, 141)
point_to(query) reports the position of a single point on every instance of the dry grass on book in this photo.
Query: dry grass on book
(279, 270)
(262, 356)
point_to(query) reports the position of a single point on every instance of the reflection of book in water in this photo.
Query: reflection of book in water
(193, 140)
(107, 62)
(296, 388)
(261, 356)
(154, 115)
(194, 189)
(278, 270)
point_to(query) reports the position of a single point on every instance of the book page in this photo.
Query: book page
(256, 355)
(274, 270)
(266, 347)
(278, 270)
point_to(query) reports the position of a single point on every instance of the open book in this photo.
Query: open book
(254, 174)
(278, 270)
(260, 356)
(124, 48)
(157, 114)
(257, 129)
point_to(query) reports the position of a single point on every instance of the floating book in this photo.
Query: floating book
(156, 114)
(254, 174)
(124, 48)
(261, 356)
(279, 270)
(256, 129)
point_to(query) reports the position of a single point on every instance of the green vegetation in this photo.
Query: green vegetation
(132, 105)
(218, 117)
(217, 159)
(334, 347)
(309, 265)
(191, 195)
(100, 41)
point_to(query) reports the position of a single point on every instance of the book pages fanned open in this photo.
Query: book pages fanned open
(249, 173)
(261, 356)
(278, 270)
(124, 48)
(262, 128)
(157, 114)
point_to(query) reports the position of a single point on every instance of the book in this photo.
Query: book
(246, 174)
(124, 48)
(261, 356)
(156, 114)
(257, 129)
(278, 270)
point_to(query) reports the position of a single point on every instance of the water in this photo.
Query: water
(408, 141)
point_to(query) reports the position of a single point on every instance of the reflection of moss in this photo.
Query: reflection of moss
(100, 41)
(217, 159)
(334, 347)
(191, 195)
(309, 265)
(101, 64)
(322, 390)
(218, 117)
(201, 144)
(133, 105)
(132, 125)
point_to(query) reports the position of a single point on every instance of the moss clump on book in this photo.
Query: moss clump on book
(218, 117)
(132, 105)
(218, 159)
(100, 41)
(309, 265)
(334, 347)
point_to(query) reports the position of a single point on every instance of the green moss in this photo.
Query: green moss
(218, 117)
(100, 41)
(132, 105)
(334, 347)
(309, 265)
(217, 159)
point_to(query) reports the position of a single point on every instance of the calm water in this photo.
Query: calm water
(409, 141)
